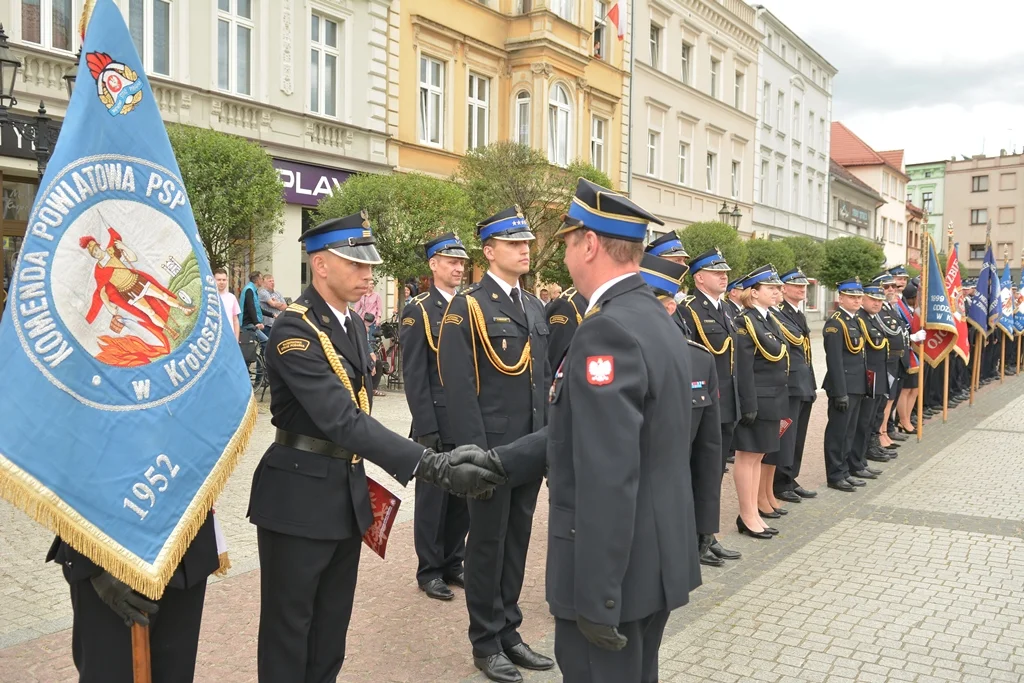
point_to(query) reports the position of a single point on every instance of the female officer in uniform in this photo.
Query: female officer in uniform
(762, 367)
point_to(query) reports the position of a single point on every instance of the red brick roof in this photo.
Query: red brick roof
(893, 158)
(850, 150)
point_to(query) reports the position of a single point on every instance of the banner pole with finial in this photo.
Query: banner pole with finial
(922, 298)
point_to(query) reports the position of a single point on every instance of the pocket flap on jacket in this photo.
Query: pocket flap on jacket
(562, 523)
(299, 462)
(495, 424)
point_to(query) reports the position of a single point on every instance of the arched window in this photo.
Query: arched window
(559, 116)
(522, 130)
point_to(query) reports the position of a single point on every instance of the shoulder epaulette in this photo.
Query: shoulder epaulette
(568, 294)
(422, 296)
(297, 308)
(472, 288)
(688, 299)
(699, 346)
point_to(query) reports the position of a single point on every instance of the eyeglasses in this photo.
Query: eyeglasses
(889, 286)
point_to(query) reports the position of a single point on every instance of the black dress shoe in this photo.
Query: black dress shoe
(724, 553)
(769, 515)
(522, 655)
(877, 456)
(856, 482)
(742, 528)
(872, 470)
(711, 560)
(789, 496)
(804, 493)
(898, 436)
(498, 668)
(455, 579)
(781, 511)
(730, 458)
(841, 486)
(436, 588)
(864, 474)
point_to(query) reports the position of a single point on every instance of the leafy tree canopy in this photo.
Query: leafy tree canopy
(808, 253)
(698, 238)
(848, 257)
(774, 252)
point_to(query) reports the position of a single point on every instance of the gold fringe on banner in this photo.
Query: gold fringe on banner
(86, 14)
(225, 565)
(44, 506)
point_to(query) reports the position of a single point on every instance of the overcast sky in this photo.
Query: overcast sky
(934, 77)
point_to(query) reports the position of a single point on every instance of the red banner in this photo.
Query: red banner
(938, 340)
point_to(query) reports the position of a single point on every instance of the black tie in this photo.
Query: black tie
(353, 335)
(514, 294)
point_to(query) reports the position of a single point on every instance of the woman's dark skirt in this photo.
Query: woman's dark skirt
(760, 437)
(783, 457)
(909, 381)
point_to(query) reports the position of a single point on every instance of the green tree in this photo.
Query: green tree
(405, 210)
(762, 252)
(235, 192)
(809, 254)
(848, 257)
(506, 173)
(701, 237)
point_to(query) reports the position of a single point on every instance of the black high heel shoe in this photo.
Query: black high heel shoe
(781, 511)
(774, 514)
(771, 530)
(742, 528)
(900, 429)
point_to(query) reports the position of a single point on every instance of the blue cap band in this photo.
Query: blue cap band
(667, 246)
(874, 291)
(505, 225)
(323, 241)
(660, 282)
(440, 246)
(758, 279)
(704, 262)
(628, 230)
(850, 288)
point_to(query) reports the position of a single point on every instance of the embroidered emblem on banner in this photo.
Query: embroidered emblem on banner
(117, 85)
(600, 370)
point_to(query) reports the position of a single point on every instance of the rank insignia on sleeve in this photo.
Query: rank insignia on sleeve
(408, 322)
(600, 370)
(558, 320)
(453, 319)
(294, 344)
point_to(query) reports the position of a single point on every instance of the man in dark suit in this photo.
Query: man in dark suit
(310, 499)
(622, 538)
(494, 367)
(564, 314)
(103, 608)
(876, 354)
(442, 520)
(711, 325)
(802, 385)
(732, 294)
(845, 383)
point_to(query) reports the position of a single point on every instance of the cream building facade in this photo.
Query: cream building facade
(695, 80)
(306, 79)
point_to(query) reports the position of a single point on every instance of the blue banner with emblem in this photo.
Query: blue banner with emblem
(124, 399)
(983, 308)
(1018, 315)
(1006, 303)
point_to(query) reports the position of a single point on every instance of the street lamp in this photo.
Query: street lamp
(736, 215)
(9, 66)
(72, 74)
(36, 129)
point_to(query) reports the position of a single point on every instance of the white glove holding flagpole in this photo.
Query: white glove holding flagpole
(918, 336)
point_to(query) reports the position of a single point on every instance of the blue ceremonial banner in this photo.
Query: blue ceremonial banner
(1006, 303)
(1018, 316)
(124, 398)
(939, 321)
(983, 308)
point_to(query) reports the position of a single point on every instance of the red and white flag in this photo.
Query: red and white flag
(617, 15)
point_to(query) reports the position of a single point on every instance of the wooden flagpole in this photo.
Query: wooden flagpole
(141, 668)
(1002, 358)
(976, 358)
(922, 302)
(945, 388)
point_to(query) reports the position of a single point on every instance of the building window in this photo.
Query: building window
(684, 154)
(810, 196)
(814, 74)
(562, 8)
(796, 122)
(715, 64)
(979, 216)
(766, 94)
(885, 227)
(1002, 248)
(821, 134)
(763, 186)
(559, 115)
(979, 183)
(712, 172)
(685, 61)
(794, 200)
(600, 30)
(735, 178)
(653, 146)
(784, 52)
(810, 129)
(1007, 215)
(479, 118)
(150, 24)
(799, 63)
(927, 174)
(738, 92)
(655, 46)
(1008, 181)
(323, 66)
(977, 252)
(778, 186)
(50, 23)
(899, 233)
(818, 202)
(597, 127)
(523, 118)
(234, 46)
(926, 201)
(780, 106)
(431, 101)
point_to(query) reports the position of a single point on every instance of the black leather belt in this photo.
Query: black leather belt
(301, 442)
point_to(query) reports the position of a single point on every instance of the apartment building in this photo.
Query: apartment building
(926, 190)
(982, 194)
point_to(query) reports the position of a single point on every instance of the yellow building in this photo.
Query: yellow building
(466, 73)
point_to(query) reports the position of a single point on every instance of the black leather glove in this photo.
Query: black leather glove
(841, 403)
(431, 441)
(466, 471)
(704, 542)
(125, 602)
(748, 419)
(604, 637)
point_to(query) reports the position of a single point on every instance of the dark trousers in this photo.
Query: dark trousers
(839, 433)
(499, 536)
(793, 439)
(306, 591)
(727, 429)
(856, 457)
(581, 662)
(101, 644)
(439, 531)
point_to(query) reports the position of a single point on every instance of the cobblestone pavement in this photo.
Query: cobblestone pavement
(915, 578)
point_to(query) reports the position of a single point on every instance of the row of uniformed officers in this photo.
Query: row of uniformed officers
(628, 403)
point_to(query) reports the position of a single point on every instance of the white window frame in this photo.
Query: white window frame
(478, 136)
(522, 126)
(766, 105)
(598, 128)
(780, 110)
(821, 134)
(46, 25)
(235, 22)
(738, 88)
(716, 67)
(656, 44)
(735, 179)
(794, 200)
(711, 169)
(601, 30)
(683, 173)
(780, 177)
(559, 117)
(808, 203)
(148, 35)
(324, 51)
(810, 129)
(563, 8)
(763, 185)
(423, 119)
(795, 132)
(686, 62)
(653, 153)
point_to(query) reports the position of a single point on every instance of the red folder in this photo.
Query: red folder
(385, 509)
(871, 384)
(784, 425)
